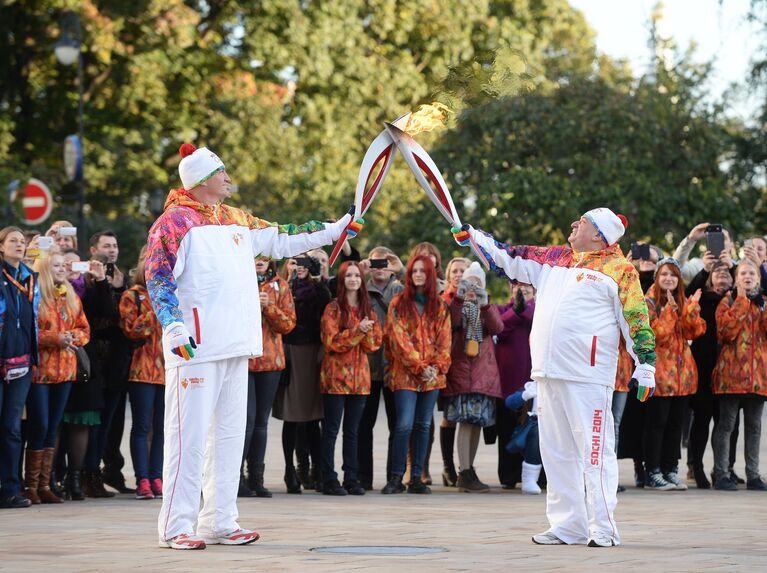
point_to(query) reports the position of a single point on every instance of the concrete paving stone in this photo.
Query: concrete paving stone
(695, 530)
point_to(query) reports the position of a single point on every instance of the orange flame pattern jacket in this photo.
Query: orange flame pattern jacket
(59, 364)
(742, 330)
(414, 342)
(675, 371)
(345, 366)
(140, 324)
(277, 318)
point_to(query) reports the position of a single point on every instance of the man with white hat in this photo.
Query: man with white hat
(588, 294)
(203, 286)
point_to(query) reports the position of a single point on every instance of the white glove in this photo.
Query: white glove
(178, 339)
(645, 381)
(530, 391)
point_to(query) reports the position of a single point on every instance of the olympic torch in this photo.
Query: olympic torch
(375, 165)
(428, 176)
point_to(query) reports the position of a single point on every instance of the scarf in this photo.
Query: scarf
(472, 325)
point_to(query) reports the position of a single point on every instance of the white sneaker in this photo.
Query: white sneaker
(547, 538)
(601, 540)
(184, 541)
(236, 537)
(673, 478)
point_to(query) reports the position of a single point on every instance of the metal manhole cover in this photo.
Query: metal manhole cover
(380, 550)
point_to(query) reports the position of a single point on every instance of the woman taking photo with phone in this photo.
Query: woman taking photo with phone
(418, 337)
(350, 331)
(19, 300)
(740, 376)
(62, 327)
(675, 320)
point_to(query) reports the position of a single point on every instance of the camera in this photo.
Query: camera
(312, 264)
(67, 232)
(640, 251)
(379, 263)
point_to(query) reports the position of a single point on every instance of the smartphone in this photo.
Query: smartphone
(45, 243)
(81, 267)
(715, 239)
(67, 231)
(379, 263)
(110, 270)
(748, 243)
(640, 251)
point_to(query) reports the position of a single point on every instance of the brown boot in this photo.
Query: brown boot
(44, 487)
(32, 463)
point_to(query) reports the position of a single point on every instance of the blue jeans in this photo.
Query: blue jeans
(147, 403)
(532, 453)
(349, 407)
(12, 398)
(45, 409)
(414, 413)
(262, 387)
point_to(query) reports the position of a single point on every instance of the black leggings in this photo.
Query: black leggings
(290, 434)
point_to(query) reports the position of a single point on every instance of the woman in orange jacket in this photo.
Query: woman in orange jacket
(418, 338)
(675, 320)
(146, 385)
(740, 375)
(278, 317)
(62, 327)
(350, 331)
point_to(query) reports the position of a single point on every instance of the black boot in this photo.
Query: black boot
(394, 485)
(447, 444)
(639, 473)
(94, 486)
(699, 474)
(332, 487)
(302, 473)
(72, 488)
(244, 490)
(291, 480)
(116, 480)
(256, 472)
(315, 478)
(417, 485)
(56, 488)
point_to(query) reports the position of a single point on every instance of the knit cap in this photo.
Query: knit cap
(197, 165)
(475, 270)
(610, 226)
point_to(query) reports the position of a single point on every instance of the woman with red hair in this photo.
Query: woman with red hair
(350, 331)
(675, 320)
(418, 337)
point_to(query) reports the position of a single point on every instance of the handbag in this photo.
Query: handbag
(518, 439)
(83, 365)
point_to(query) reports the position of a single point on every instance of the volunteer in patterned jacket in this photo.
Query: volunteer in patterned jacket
(588, 295)
(202, 280)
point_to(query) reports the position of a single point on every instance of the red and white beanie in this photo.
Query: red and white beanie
(197, 165)
(610, 226)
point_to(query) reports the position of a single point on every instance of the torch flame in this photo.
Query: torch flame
(428, 117)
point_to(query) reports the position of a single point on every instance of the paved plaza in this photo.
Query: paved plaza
(662, 531)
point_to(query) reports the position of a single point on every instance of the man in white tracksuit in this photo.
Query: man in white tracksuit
(203, 286)
(588, 294)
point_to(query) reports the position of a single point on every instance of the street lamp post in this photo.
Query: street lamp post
(68, 52)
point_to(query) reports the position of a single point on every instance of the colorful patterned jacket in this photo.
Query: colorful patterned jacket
(676, 373)
(742, 365)
(345, 366)
(200, 271)
(414, 342)
(139, 323)
(585, 302)
(277, 318)
(59, 364)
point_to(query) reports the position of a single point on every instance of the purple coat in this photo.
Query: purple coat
(512, 350)
(477, 375)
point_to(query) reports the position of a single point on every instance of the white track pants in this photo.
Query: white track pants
(205, 413)
(577, 440)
